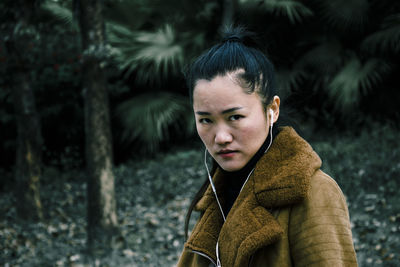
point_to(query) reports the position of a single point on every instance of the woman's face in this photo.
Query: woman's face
(231, 123)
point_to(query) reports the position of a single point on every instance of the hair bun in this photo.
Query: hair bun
(238, 34)
(232, 38)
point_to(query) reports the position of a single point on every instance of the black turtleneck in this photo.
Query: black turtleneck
(236, 179)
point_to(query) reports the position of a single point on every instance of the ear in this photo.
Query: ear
(274, 106)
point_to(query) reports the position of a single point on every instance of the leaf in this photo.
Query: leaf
(153, 55)
(295, 11)
(324, 58)
(61, 13)
(151, 118)
(385, 40)
(345, 14)
(354, 80)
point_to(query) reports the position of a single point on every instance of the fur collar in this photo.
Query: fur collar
(281, 177)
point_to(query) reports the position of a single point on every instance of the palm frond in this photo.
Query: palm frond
(385, 40)
(324, 58)
(355, 80)
(151, 119)
(345, 14)
(61, 13)
(160, 49)
(153, 55)
(294, 10)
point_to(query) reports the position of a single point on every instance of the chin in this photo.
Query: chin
(231, 167)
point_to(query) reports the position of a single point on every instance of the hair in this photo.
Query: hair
(236, 54)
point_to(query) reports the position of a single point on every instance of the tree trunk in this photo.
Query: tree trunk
(102, 216)
(29, 138)
(29, 150)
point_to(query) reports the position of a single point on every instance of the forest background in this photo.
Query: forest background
(337, 65)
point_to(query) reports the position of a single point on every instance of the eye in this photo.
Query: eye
(235, 117)
(205, 121)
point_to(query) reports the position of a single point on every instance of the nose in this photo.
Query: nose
(223, 136)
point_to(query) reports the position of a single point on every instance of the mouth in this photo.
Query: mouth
(226, 153)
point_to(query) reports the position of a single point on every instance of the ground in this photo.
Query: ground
(153, 196)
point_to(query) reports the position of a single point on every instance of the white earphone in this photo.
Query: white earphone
(272, 116)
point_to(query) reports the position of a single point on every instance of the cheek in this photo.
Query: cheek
(246, 134)
(203, 134)
(251, 128)
(253, 133)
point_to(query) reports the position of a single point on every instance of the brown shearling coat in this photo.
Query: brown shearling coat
(289, 213)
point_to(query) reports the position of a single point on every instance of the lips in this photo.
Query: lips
(226, 153)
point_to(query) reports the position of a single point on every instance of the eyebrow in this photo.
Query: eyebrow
(229, 110)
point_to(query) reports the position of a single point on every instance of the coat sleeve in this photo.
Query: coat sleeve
(319, 227)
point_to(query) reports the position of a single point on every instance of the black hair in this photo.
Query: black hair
(237, 52)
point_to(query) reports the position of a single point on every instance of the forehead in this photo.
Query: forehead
(222, 92)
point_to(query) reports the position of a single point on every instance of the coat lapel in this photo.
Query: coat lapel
(282, 176)
(205, 234)
(248, 228)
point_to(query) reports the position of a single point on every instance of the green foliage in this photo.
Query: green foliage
(387, 39)
(347, 78)
(153, 118)
(153, 55)
(345, 14)
(324, 51)
(355, 79)
(294, 10)
(50, 54)
(330, 56)
(337, 64)
(61, 13)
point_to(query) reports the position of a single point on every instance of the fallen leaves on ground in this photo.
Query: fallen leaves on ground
(153, 196)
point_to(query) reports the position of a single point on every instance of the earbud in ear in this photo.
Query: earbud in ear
(272, 116)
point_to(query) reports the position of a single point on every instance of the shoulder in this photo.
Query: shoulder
(324, 191)
(325, 204)
(322, 179)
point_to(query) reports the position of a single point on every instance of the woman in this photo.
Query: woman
(266, 201)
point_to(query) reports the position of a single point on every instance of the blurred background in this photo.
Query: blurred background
(337, 67)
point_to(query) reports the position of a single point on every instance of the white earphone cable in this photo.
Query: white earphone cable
(248, 176)
(212, 184)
